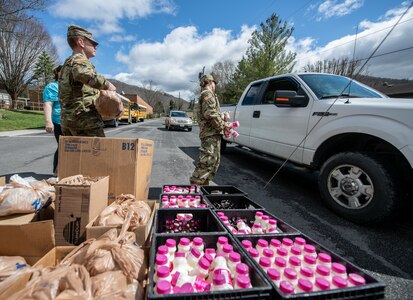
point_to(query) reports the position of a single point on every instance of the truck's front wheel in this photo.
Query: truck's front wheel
(359, 187)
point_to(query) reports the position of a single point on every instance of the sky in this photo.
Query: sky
(167, 42)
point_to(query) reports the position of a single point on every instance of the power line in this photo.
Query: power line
(296, 11)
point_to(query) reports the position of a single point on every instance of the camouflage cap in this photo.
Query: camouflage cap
(74, 30)
(206, 78)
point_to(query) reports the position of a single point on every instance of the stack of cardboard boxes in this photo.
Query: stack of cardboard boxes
(119, 165)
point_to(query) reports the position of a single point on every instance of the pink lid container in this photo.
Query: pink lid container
(197, 241)
(272, 222)
(170, 243)
(222, 240)
(204, 263)
(295, 250)
(161, 259)
(275, 243)
(274, 274)
(163, 271)
(253, 252)
(338, 268)
(259, 214)
(286, 287)
(322, 270)
(309, 259)
(287, 242)
(307, 272)
(280, 262)
(220, 214)
(184, 241)
(218, 279)
(322, 284)
(235, 257)
(282, 251)
(163, 287)
(208, 257)
(210, 250)
(264, 262)
(268, 253)
(227, 248)
(305, 285)
(290, 274)
(243, 281)
(356, 279)
(242, 268)
(295, 261)
(256, 225)
(310, 249)
(163, 250)
(195, 252)
(262, 243)
(265, 217)
(324, 257)
(339, 282)
(246, 243)
(299, 241)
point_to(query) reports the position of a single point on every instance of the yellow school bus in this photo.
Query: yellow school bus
(141, 113)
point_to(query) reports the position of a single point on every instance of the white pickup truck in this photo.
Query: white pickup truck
(359, 140)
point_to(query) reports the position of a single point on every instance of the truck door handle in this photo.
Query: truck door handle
(256, 114)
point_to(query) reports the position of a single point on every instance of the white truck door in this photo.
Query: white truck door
(243, 113)
(277, 130)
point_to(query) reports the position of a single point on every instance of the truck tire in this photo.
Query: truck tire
(189, 128)
(359, 187)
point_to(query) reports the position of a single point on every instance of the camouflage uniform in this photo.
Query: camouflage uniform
(211, 127)
(79, 87)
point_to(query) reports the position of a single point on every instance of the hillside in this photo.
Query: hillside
(149, 96)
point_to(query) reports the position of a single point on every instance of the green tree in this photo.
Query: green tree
(43, 69)
(266, 56)
(171, 105)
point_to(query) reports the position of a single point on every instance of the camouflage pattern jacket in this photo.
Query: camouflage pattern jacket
(79, 87)
(209, 115)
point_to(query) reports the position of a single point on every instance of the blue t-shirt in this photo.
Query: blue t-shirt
(50, 94)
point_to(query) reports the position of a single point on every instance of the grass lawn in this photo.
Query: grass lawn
(20, 119)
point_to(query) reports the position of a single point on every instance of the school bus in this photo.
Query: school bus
(142, 114)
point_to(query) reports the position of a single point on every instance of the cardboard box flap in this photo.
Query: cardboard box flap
(28, 240)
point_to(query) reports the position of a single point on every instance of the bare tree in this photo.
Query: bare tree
(150, 92)
(223, 72)
(342, 66)
(16, 10)
(20, 45)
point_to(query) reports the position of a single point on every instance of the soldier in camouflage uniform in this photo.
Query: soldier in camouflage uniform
(79, 86)
(211, 128)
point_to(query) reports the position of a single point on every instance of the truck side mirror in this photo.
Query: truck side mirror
(285, 98)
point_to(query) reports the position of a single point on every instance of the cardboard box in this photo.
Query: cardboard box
(54, 256)
(2, 180)
(28, 235)
(128, 162)
(142, 232)
(76, 205)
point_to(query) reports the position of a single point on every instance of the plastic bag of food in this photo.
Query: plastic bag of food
(24, 195)
(10, 264)
(109, 105)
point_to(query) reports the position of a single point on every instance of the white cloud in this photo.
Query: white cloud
(106, 15)
(331, 8)
(371, 33)
(174, 63)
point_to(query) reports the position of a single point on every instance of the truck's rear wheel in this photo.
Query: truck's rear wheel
(359, 187)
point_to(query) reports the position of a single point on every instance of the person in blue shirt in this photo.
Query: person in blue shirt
(51, 107)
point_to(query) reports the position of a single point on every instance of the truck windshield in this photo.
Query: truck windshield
(178, 114)
(331, 86)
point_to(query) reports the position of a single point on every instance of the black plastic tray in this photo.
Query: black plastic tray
(171, 194)
(250, 216)
(261, 288)
(197, 188)
(207, 220)
(372, 290)
(221, 190)
(234, 202)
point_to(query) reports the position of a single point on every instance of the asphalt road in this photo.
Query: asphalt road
(384, 251)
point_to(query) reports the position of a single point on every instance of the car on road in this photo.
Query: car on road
(359, 140)
(178, 119)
